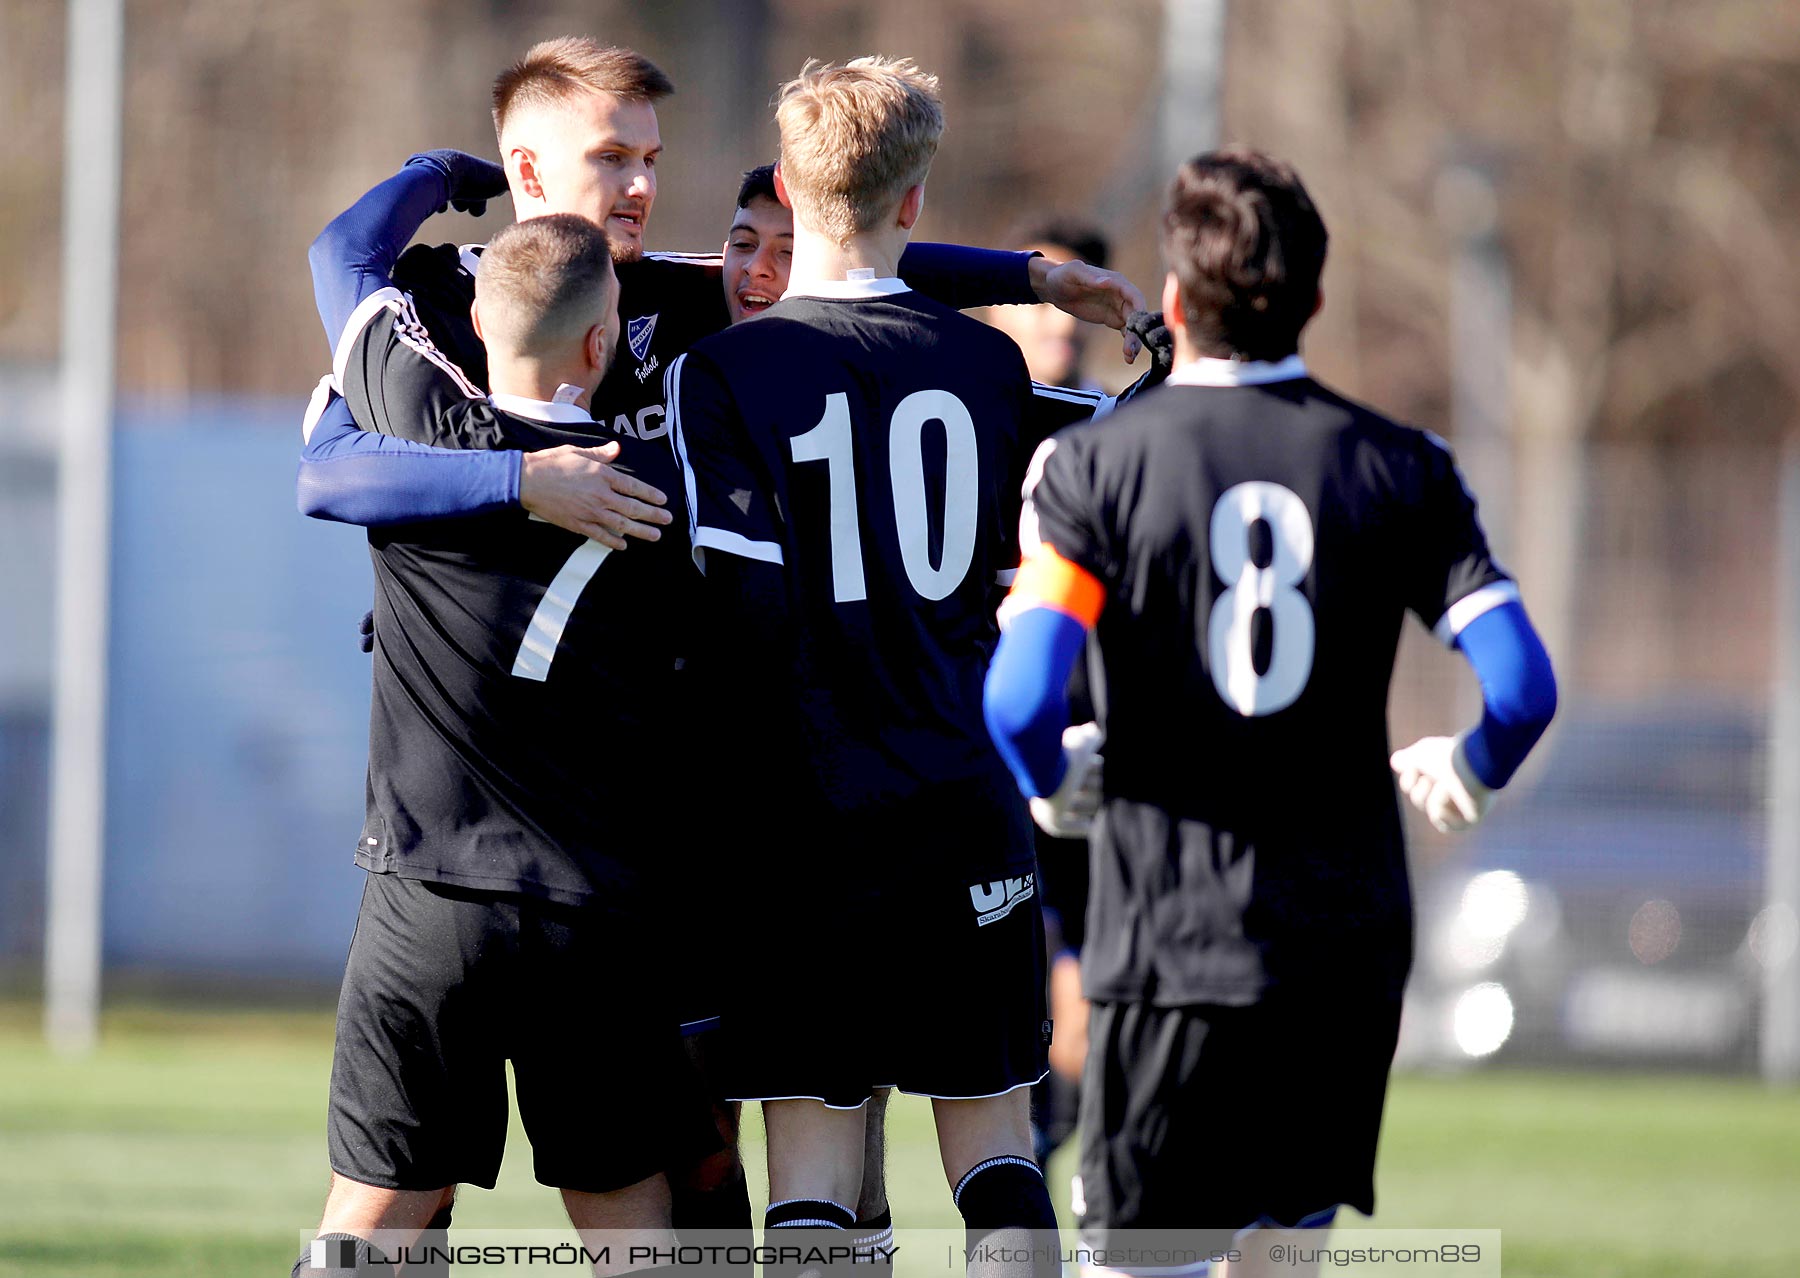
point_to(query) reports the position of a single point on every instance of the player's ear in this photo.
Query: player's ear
(1171, 304)
(911, 205)
(1318, 302)
(522, 174)
(781, 191)
(596, 347)
(475, 318)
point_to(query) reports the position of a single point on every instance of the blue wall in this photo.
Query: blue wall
(240, 702)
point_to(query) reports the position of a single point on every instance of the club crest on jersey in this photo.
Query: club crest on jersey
(637, 334)
(994, 901)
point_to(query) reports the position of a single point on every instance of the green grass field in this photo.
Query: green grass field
(193, 1144)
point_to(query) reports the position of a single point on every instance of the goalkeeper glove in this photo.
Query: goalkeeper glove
(473, 180)
(1435, 775)
(1148, 328)
(1069, 812)
(1157, 339)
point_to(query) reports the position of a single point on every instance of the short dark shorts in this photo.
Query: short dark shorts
(446, 984)
(1218, 1118)
(928, 983)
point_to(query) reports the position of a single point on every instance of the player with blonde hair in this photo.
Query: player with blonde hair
(852, 465)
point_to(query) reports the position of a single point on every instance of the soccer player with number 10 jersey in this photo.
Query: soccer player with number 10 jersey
(852, 468)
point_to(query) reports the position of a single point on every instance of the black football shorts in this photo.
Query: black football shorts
(445, 984)
(925, 979)
(1214, 1119)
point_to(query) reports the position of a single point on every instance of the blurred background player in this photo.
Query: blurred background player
(1245, 544)
(1055, 346)
(816, 438)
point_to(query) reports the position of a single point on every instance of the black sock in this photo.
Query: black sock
(716, 1211)
(1005, 1203)
(813, 1226)
(433, 1242)
(717, 1217)
(342, 1255)
(873, 1240)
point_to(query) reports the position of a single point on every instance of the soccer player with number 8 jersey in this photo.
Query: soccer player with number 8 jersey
(1245, 545)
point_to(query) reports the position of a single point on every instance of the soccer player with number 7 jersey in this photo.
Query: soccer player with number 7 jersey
(517, 793)
(1245, 545)
(853, 470)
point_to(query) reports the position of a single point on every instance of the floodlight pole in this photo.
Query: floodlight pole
(90, 259)
(1780, 917)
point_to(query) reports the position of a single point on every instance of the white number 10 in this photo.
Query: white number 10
(830, 443)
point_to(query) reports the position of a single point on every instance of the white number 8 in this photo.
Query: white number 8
(1248, 588)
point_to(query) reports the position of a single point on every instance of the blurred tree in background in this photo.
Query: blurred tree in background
(1643, 155)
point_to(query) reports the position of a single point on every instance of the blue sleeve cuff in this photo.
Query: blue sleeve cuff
(1025, 700)
(1518, 691)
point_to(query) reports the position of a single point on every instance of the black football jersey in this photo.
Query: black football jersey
(869, 442)
(667, 302)
(525, 677)
(1259, 545)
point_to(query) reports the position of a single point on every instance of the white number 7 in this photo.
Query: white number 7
(538, 648)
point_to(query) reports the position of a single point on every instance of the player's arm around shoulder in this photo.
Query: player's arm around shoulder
(349, 475)
(386, 477)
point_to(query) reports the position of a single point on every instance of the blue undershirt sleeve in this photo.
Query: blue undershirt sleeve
(354, 256)
(1518, 691)
(365, 478)
(1025, 700)
(359, 477)
(962, 277)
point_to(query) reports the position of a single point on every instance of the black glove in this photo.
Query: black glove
(365, 632)
(1155, 335)
(473, 180)
(1157, 339)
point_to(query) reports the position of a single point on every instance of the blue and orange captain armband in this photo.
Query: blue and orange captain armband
(1047, 580)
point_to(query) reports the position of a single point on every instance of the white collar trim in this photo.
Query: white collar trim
(539, 410)
(1207, 371)
(841, 290)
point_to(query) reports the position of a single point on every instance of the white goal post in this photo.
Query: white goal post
(90, 259)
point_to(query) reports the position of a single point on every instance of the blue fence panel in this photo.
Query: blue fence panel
(239, 702)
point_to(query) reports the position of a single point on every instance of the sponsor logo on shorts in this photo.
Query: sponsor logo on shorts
(994, 901)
